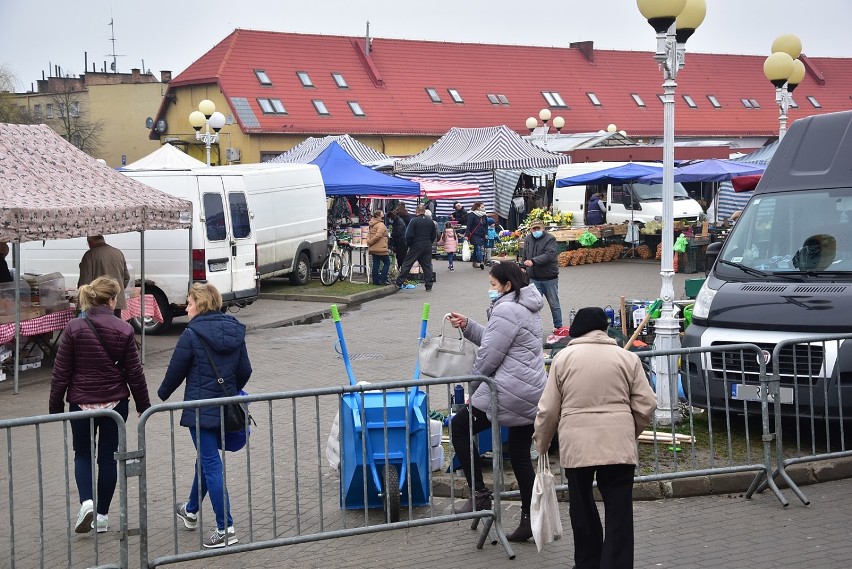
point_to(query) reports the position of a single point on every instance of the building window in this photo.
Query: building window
(554, 99)
(50, 110)
(754, 103)
(265, 106)
(356, 109)
(262, 77)
(61, 107)
(433, 94)
(662, 98)
(305, 79)
(793, 103)
(37, 111)
(493, 99)
(503, 99)
(75, 109)
(272, 106)
(340, 81)
(594, 99)
(637, 99)
(278, 106)
(714, 101)
(689, 101)
(320, 107)
(814, 102)
(454, 94)
(746, 103)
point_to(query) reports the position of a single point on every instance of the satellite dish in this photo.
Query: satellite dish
(149, 123)
(161, 126)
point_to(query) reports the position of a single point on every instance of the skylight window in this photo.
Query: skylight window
(265, 106)
(272, 106)
(493, 99)
(305, 79)
(637, 99)
(262, 77)
(433, 94)
(714, 101)
(553, 98)
(814, 102)
(690, 101)
(754, 103)
(594, 99)
(503, 99)
(278, 106)
(457, 98)
(356, 109)
(662, 98)
(746, 103)
(793, 103)
(320, 107)
(340, 81)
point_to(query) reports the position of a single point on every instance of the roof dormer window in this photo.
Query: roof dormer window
(262, 77)
(339, 80)
(433, 94)
(305, 79)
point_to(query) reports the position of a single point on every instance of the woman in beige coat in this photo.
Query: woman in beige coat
(599, 400)
(377, 243)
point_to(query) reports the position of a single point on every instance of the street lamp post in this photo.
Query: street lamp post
(674, 21)
(785, 71)
(206, 116)
(544, 115)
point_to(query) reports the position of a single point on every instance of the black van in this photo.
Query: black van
(785, 272)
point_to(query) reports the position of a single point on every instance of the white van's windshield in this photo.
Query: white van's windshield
(654, 192)
(804, 233)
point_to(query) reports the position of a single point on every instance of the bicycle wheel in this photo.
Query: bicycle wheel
(330, 271)
(345, 268)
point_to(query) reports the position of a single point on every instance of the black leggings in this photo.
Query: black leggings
(520, 439)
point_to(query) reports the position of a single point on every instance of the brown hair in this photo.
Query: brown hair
(378, 213)
(206, 297)
(98, 293)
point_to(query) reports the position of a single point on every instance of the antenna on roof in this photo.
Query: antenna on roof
(367, 41)
(114, 65)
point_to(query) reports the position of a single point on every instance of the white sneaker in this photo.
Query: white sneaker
(102, 523)
(84, 518)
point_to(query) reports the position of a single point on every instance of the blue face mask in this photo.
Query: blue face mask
(494, 294)
(537, 234)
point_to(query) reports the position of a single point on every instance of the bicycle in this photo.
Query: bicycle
(336, 265)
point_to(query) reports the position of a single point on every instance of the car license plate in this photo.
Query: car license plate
(745, 392)
(215, 266)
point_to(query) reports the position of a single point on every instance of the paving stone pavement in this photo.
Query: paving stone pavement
(381, 335)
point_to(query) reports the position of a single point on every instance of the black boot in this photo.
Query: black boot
(483, 502)
(524, 531)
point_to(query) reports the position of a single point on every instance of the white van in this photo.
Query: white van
(638, 203)
(249, 221)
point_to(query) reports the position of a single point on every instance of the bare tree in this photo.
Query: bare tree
(10, 109)
(71, 121)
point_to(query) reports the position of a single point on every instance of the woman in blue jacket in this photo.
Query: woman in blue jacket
(225, 337)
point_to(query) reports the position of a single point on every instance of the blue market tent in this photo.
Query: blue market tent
(713, 170)
(345, 176)
(631, 172)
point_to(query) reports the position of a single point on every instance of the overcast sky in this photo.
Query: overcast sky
(172, 34)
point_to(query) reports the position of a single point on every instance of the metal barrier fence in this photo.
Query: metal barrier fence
(38, 480)
(281, 492)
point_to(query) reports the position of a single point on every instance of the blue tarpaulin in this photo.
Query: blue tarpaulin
(345, 176)
(631, 172)
(709, 171)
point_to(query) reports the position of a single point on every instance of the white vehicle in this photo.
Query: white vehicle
(639, 203)
(249, 222)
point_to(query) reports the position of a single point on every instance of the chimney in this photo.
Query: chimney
(587, 48)
(165, 76)
(135, 75)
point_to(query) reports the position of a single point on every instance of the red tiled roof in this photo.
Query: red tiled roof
(399, 104)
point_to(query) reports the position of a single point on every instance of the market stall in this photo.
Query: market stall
(51, 190)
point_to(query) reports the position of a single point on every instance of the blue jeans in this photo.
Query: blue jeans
(477, 253)
(209, 470)
(381, 266)
(550, 290)
(451, 258)
(107, 443)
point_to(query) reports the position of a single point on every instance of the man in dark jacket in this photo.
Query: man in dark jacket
(419, 237)
(102, 260)
(543, 270)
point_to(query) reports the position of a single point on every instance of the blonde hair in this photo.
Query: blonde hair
(98, 293)
(206, 297)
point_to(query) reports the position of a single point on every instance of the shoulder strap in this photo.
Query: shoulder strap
(101, 340)
(219, 379)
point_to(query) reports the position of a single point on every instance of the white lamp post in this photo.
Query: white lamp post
(785, 71)
(674, 21)
(208, 117)
(544, 115)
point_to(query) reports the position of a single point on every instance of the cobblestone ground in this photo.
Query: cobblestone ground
(381, 335)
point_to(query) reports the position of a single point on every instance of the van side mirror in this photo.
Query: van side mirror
(710, 256)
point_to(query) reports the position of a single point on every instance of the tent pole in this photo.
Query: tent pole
(16, 357)
(142, 291)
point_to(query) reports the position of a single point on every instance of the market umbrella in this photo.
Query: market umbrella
(713, 170)
(631, 172)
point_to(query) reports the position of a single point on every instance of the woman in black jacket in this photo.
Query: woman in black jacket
(400, 223)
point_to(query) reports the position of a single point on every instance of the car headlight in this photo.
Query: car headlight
(703, 301)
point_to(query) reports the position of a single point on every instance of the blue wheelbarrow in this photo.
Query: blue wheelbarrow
(384, 443)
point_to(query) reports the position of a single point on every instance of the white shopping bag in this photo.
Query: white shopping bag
(466, 253)
(544, 510)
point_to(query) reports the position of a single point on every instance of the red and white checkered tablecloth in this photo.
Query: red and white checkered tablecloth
(134, 308)
(36, 326)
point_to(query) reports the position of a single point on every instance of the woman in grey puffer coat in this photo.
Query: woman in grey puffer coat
(510, 352)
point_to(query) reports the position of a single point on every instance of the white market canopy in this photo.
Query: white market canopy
(167, 157)
(51, 190)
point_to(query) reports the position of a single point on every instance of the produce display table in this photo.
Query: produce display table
(37, 326)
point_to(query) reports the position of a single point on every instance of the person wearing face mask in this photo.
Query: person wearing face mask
(510, 352)
(543, 270)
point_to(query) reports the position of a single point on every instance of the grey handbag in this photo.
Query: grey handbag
(447, 355)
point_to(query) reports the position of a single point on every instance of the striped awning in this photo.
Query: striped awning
(313, 147)
(480, 149)
(446, 189)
